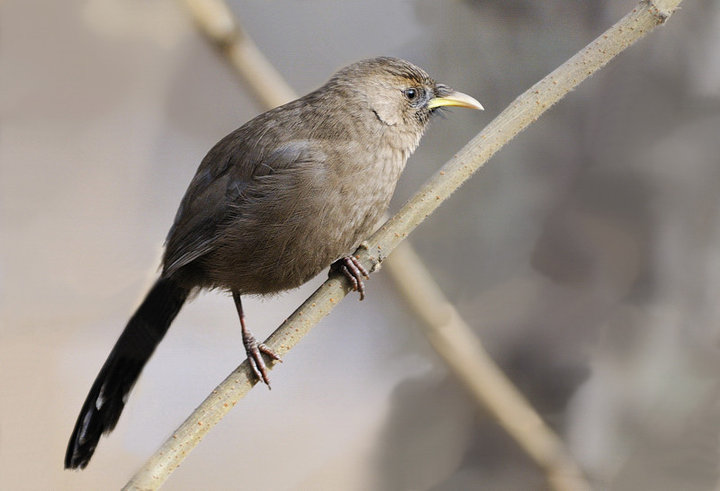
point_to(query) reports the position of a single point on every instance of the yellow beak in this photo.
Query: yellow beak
(455, 99)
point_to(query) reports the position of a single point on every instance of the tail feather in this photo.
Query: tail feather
(109, 392)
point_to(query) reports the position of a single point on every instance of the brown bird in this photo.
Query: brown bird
(271, 205)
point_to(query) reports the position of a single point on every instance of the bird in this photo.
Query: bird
(272, 204)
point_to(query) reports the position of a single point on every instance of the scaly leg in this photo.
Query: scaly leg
(254, 349)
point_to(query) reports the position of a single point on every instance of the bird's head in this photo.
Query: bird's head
(399, 93)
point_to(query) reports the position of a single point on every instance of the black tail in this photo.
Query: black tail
(133, 349)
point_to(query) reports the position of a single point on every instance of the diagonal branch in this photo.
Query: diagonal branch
(521, 113)
(452, 338)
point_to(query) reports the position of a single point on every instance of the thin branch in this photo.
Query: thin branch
(217, 22)
(450, 336)
(522, 112)
(460, 348)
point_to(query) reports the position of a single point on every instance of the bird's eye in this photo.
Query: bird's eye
(411, 94)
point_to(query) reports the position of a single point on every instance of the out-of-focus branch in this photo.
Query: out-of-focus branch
(456, 343)
(521, 113)
(217, 23)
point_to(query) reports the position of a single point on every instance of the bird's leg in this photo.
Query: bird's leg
(254, 349)
(351, 268)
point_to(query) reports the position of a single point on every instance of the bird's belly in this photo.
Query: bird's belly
(286, 254)
(337, 232)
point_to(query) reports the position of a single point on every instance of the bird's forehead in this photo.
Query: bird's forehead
(407, 80)
(389, 71)
(404, 74)
(397, 81)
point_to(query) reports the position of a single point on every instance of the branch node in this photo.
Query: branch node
(660, 13)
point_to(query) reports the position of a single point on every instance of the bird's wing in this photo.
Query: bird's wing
(203, 209)
(226, 177)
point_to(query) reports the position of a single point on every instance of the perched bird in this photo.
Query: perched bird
(271, 205)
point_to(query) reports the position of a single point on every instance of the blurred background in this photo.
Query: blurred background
(585, 254)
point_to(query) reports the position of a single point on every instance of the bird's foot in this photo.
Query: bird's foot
(351, 268)
(254, 349)
(255, 353)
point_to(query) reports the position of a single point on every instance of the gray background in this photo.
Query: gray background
(585, 254)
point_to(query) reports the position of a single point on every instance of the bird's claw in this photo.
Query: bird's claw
(254, 352)
(355, 272)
